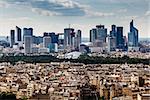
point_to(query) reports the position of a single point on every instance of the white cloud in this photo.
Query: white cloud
(147, 13)
(20, 19)
(128, 17)
(122, 10)
(3, 4)
(45, 12)
(97, 14)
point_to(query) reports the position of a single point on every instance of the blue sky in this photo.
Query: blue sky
(55, 15)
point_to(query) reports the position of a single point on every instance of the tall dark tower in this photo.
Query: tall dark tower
(131, 26)
(120, 40)
(133, 37)
(12, 38)
(18, 31)
(113, 31)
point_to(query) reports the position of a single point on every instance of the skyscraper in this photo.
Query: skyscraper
(113, 31)
(78, 39)
(18, 30)
(27, 32)
(111, 43)
(28, 44)
(50, 40)
(113, 37)
(46, 40)
(28, 35)
(133, 37)
(12, 38)
(93, 35)
(119, 38)
(68, 33)
(101, 33)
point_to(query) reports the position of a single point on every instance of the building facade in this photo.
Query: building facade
(12, 38)
(133, 38)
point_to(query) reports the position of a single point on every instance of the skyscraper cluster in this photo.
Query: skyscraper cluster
(70, 40)
(115, 40)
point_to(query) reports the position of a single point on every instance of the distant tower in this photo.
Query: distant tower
(119, 38)
(18, 31)
(12, 38)
(79, 36)
(111, 43)
(113, 31)
(27, 32)
(133, 38)
(28, 35)
(93, 35)
(68, 34)
(46, 40)
(101, 33)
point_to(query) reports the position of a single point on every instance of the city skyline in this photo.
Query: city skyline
(55, 15)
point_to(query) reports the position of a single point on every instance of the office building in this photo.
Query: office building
(113, 32)
(28, 39)
(50, 41)
(12, 38)
(27, 32)
(28, 44)
(46, 41)
(19, 36)
(133, 38)
(68, 36)
(101, 33)
(68, 33)
(93, 35)
(37, 39)
(111, 43)
(53, 47)
(119, 38)
(78, 39)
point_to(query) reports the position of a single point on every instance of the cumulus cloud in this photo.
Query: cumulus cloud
(129, 17)
(59, 7)
(122, 10)
(147, 13)
(3, 4)
(53, 7)
(45, 12)
(98, 14)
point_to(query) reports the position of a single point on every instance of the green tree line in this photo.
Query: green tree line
(86, 59)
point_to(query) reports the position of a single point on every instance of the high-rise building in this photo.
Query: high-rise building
(133, 37)
(28, 39)
(113, 36)
(93, 35)
(78, 39)
(68, 34)
(19, 36)
(37, 39)
(119, 38)
(46, 41)
(50, 41)
(27, 32)
(101, 33)
(113, 31)
(28, 44)
(12, 38)
(111, 43)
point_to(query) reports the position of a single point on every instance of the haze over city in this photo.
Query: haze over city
(55, 15)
